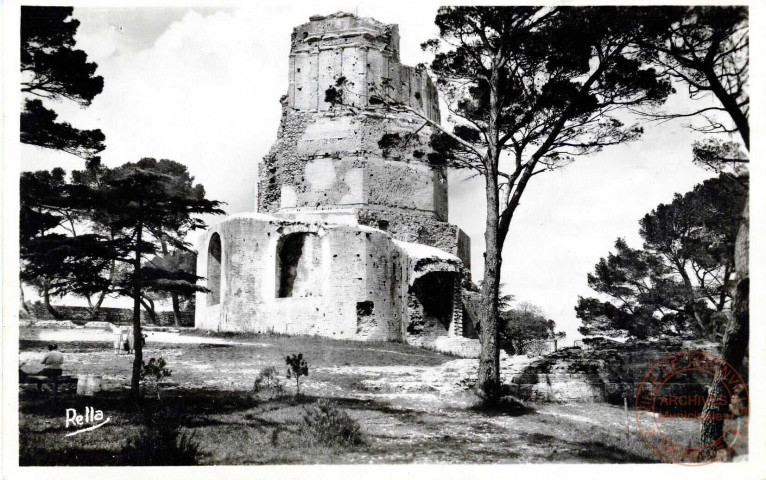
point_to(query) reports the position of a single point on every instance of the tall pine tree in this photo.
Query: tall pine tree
(147, 205)
(53, 69)
(530, 89)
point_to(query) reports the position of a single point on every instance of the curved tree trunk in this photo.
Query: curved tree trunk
(95, 309)
(148, 304)
(735, 341)
(47, 301)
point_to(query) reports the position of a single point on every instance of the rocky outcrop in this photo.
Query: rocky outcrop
(607, 372)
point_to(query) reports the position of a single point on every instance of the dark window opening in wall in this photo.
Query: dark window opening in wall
(289, 257)
(431, 304)
(383, 225)
(366, 323)
(214, 270)
(364, 308)
(298, 266)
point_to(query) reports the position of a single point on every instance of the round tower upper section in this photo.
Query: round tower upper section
(365, 53)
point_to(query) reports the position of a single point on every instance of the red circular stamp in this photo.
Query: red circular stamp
(670, 410)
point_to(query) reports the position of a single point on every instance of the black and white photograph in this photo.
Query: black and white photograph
(282, 235)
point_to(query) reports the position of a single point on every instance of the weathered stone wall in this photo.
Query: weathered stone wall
(351, 281)
(346, 266)
(364, 52)
(116, 316)
(341, 165)
(330, 160)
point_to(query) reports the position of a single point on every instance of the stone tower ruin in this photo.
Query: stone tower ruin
(351, 237)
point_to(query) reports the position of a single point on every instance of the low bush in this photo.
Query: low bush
(162, 442)
(267, 383)
(327, 425)
(153, 372)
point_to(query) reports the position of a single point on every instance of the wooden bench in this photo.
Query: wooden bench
(41, 380)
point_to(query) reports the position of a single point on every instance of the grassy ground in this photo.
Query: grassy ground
(210, 398)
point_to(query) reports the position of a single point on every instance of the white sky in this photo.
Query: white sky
(202, 87)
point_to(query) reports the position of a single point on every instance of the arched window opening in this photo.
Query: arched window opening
(214, 270)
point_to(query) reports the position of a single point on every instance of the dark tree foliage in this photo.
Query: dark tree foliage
(522, 326)
(707, 50)
(148, 205)
(679, 283)
(53, 69)
(59, 240)
(174, 276)
(56, 69)
(536, 87)
(176, 264)
(39, 127)
(634, 279)
(135, 212)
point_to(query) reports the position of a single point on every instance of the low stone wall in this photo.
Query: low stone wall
(458, 346)
(116, 316)
(608, 372)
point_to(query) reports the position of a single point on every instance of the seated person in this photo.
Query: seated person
(52, 362)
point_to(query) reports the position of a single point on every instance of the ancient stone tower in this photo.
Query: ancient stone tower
(351, 238)
(358, 157)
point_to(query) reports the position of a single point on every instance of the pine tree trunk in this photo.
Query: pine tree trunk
(489, 361)
(137, 335)
(735, 341)
(176, 309)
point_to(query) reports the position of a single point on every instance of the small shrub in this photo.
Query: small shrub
(153, 372)
(268, 383)
(327, 425)
(297, 367)
(162, 442)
